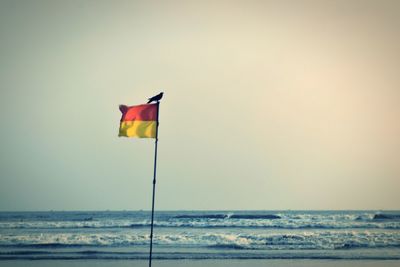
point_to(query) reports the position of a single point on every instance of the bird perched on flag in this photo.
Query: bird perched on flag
(155, 98)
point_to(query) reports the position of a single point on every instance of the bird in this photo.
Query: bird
(123, 108)
(156, 98)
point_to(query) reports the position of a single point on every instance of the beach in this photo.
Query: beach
(200, 238)
(199, 263)
(244, 133)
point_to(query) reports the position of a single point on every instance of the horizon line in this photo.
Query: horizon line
(200, 210)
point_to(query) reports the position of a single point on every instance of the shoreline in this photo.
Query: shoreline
(207, 262)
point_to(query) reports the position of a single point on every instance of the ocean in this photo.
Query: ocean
(200, 235)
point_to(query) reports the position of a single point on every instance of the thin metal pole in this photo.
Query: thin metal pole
(154, 187)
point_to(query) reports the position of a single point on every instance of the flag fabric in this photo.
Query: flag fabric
(139, 121)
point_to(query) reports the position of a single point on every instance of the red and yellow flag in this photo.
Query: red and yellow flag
(139, 121)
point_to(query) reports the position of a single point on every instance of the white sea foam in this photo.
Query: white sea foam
(301, 240)
(314, 234)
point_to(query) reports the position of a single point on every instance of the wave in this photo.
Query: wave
(253, 216)
(270, 226)
(242, 234)
(209, 224)
(381, 216)
(229, 216)
(325, 240)
(250, 220)
(209, 216)
(227, 246)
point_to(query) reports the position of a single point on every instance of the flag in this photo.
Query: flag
(139, 121)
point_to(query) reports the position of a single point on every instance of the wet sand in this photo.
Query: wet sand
(199, 263)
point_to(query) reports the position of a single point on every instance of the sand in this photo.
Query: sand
(198, 263)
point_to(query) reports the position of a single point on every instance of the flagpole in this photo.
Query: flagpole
(154, 186)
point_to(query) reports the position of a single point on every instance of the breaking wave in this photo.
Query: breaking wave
(201, 235)
(326, 240)
(191, 222)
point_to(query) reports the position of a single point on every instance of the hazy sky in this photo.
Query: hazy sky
(267, 105)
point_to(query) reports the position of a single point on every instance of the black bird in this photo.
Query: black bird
(155, 98)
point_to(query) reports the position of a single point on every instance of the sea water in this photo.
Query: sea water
(201, 235)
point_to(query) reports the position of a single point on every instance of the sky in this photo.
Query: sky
(267, 104)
